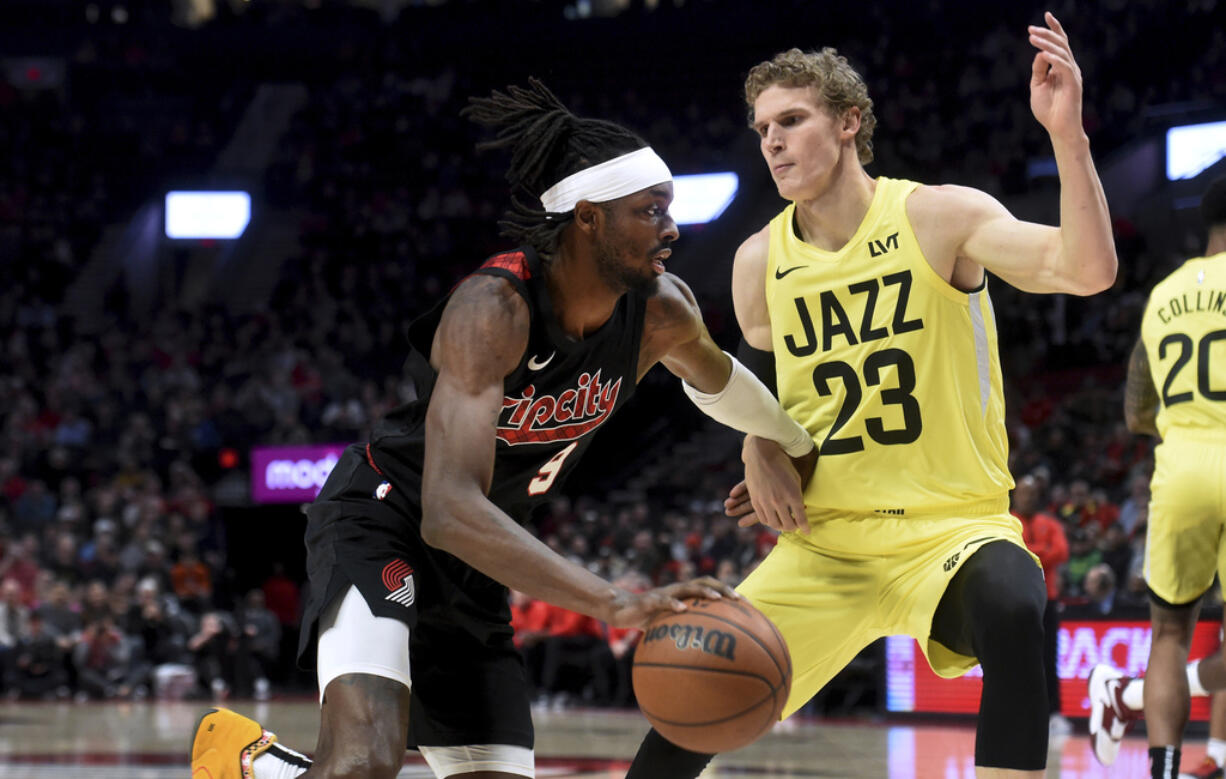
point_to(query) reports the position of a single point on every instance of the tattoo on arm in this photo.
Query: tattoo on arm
(1140, 395)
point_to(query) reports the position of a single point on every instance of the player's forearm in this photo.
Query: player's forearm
(1140, 395)
(1087, 248)
(746, 404)
(479, 533)
(1140, 419)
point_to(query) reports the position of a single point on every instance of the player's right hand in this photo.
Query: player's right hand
(635, 610)
(773, 486)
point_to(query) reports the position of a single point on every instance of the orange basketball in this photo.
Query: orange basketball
(713, 678)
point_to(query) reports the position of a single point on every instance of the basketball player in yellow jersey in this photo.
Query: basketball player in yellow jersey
(867, 301)
(1182, 350)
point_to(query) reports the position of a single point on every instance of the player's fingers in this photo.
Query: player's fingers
(1054, 23)
(738, 507)
(1055, 47)
(749, 520)
(796, 504)
(802, 523)
(1060, 61)
(781, 521)
(1038, 69)
(1048, 36)
(719, 588)
(759, 511)
(739, 490)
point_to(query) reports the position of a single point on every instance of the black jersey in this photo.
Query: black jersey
(561, 392)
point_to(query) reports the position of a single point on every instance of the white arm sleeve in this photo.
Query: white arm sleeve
(746, 404)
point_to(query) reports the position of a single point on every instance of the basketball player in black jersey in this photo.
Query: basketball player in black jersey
(416, 536)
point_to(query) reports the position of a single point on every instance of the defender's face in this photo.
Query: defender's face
(800, 139)
(634, 244)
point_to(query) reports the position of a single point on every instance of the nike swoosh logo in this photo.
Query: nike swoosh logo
(780, 274)
(535, 363)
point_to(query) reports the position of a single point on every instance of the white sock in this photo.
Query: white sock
(1217, 750)
(1134, 695)
(1194, 685)
(280, 762)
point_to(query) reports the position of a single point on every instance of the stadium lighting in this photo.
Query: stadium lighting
(207, 214)
(702, 197)
(1191, 148)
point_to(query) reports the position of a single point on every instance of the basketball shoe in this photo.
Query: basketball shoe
(225, 745)
(1109, 717)
(1206, 770)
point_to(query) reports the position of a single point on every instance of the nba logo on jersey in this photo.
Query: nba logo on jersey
(383, 489)
(398, 579)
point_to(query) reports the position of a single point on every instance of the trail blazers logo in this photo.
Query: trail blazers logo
(398, 579)
(533, 419)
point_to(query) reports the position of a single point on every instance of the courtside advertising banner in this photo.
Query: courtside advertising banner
(912, 686)
(291, 474)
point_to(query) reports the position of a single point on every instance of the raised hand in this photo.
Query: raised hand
(1055, 82)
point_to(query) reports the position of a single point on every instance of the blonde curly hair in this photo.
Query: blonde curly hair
(836, 81)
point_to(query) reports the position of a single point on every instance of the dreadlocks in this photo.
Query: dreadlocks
(548, 143)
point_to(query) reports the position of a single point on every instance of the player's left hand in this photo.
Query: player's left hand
(1055, 81)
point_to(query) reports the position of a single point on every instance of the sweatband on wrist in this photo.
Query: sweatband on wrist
(746, 404)
(607, 181)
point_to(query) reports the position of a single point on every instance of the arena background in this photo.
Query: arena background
(138, 372)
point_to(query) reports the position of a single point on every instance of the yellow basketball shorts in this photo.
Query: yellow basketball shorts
(857, 578)
(1187, 512)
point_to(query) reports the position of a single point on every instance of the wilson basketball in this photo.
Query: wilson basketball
(713, 678)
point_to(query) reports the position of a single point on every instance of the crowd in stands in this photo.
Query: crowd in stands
(114, 581)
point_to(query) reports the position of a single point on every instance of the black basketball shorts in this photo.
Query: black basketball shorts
(469, 681)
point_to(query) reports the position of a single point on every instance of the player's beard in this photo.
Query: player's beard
(624, 275)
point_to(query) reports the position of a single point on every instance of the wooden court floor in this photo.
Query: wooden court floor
(151, 739)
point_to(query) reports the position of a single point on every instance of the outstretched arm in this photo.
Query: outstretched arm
(480, 340)
(1140, 395)
(1078, 257)
(726, 390)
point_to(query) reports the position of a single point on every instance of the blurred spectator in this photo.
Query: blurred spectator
(1044, 536)
(20, 564)
(38, 665)
(576, 643)
(213, 654)
(1135, 508)
(1084, 554)
(102, 658)
(259, 642)
(191, 579)
(35, 508)
(1116, 551)
(1084, 507)
(14, 622)
(530, 621)
(283, 597)
(61, 618)
(64, 563)
(1100, 590)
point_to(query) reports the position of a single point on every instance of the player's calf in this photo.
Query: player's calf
(363, 723)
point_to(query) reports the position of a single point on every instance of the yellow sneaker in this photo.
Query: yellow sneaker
(225, 744)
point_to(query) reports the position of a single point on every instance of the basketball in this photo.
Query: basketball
(713, 678)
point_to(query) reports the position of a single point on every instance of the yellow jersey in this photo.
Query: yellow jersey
(894, 372)
(1184, 332)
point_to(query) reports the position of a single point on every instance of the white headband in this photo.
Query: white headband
(607, 181)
